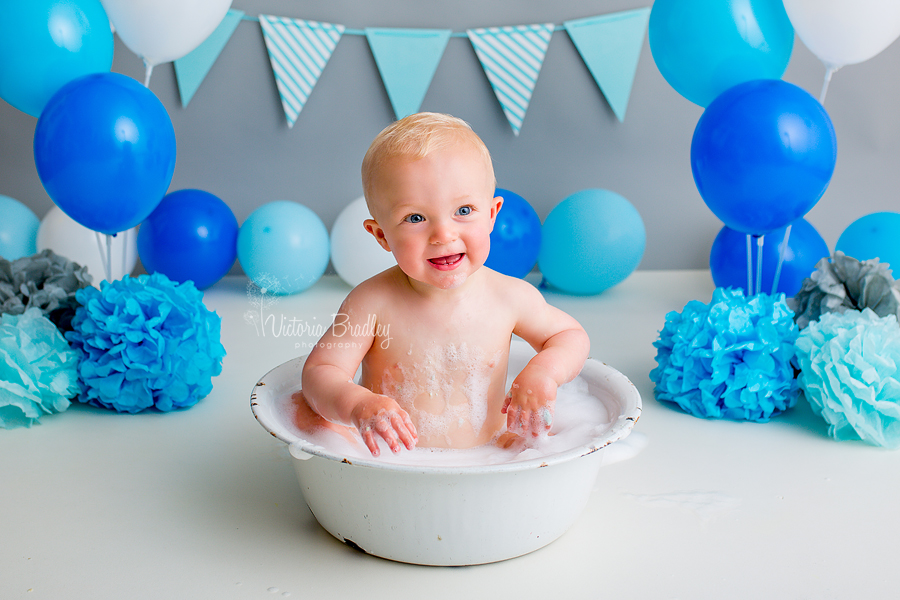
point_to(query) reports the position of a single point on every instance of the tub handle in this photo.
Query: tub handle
(298, 452)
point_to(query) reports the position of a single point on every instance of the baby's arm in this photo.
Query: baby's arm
(562, 346)
(328, 385)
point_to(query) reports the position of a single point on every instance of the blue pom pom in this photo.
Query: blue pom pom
(850, 373)
(38, 369)
(147, 342)
(730, 358)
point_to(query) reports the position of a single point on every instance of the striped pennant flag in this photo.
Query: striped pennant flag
(298, 51)
(512, 58)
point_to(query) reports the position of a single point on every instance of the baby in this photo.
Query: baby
(432, 334)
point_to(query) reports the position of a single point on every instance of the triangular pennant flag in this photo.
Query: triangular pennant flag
(191, 69)
(299, 51)
(407, 60)
(512, 58)
(610, 46)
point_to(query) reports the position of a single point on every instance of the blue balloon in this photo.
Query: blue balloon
(283, 247)
(191, 235)
(18, 229)
(592, 241)
(805, 247)
(45, 44)
(704, 47)
(105, 151)
(762, 155)
(516, 238)
(873, 236)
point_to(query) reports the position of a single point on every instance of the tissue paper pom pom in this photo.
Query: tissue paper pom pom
(38, 369)
(46, 281)
(850, 373)
(729, 359)
(147, 342)
(844, 283)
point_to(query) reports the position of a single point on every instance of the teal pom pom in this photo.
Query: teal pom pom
(38, 369)
(728, 359)
(147, 342)
(850, 373)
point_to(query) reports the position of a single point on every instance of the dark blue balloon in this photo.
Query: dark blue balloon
(516, 238)
(805, 247)
(104, 148)
(762, 154)
(192, 235)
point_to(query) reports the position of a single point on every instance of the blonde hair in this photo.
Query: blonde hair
(415, 137)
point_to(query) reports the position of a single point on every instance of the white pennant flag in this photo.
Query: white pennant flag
(299, 51)
(512, 58)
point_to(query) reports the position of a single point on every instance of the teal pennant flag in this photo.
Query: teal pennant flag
(610, 46)
(298, 51)
(407, 60)
(191, 69)
(511, 58)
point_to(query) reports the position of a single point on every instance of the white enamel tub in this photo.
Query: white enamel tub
(444, 515)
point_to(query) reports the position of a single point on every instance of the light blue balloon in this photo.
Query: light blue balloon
(283, 247)
(873, 236)
(18, 229)
(45, 44)
(704, 47)
(591, 241)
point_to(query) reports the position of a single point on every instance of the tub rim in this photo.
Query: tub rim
(630, 402)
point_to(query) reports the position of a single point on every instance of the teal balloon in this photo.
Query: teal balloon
(704, 47)
(873, 236)
(18, 229)
(283, 247)
(45, 44)
(591, 241)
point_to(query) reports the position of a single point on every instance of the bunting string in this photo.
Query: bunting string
(407, 59)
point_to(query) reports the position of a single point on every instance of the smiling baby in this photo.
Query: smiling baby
(432, 334)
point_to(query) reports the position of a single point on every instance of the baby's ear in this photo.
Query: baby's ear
(496, 204)
(375, 229)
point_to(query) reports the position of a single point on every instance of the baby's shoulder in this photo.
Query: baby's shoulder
(512, 289)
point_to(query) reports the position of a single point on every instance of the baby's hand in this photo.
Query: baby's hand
(530, 403)
(382, 415)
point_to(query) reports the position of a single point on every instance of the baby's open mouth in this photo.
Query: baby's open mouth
(446, 261)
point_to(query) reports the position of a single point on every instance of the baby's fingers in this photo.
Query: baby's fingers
(405, 429)
(368, 436)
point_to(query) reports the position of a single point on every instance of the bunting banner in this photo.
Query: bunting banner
(610, 46)
(191, 70)
(512, 58)
(407, 60)
(298, 51)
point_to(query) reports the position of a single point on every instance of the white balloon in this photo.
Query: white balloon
(161, 31)
(355, 253)
(66, 237)
(845, 32)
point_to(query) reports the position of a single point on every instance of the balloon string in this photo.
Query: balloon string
(782, 250)
(108, 266)
(148, 70)
(749, 268)
(103, 262)
(829, 71)
(124, 252)
(759, 261)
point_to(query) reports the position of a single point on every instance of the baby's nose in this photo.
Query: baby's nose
(444, 233)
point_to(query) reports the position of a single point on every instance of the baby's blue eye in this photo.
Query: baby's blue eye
(414, 218)
(464, 211)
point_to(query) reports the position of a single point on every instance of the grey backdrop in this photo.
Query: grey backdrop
(233, 139)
